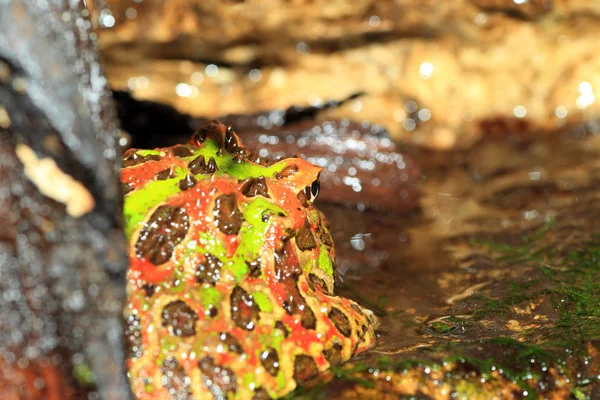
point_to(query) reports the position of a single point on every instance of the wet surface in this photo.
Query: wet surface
(500, 268)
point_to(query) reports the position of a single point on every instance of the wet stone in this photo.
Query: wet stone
(270, 361)
(218, 379)
(165, 229)
(305, 239)
(305, 367)
(244, 311)
(227, 214)
(181, 318)
(255, 187)
(187, 182)
(209, 270)
(341, 321)
(175, 380)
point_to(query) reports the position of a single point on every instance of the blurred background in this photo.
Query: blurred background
(434, 73)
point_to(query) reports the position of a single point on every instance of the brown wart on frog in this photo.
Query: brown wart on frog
(231, 283)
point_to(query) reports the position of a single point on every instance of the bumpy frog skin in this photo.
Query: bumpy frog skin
(232, 274)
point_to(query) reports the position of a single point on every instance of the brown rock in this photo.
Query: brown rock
(434, 73)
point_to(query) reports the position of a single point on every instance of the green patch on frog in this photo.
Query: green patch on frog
(231, 168)
(138, 202)
(263, 301)
(252, 235)
(145, 153)
(324, 262)
(210, 298)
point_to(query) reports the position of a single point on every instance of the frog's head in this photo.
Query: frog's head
(292, 184)
(215, 163)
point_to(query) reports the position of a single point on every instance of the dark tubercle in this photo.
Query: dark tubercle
(227, 215)
(165, 229)
(233, 144)
(131, 159)
(261, 394)
(305, 367)
(175, 380)
(180, 317)
(305, 240)
(231, 343)
(213, 130)
(333, 355)
(270, 361)
(209, 270)
(244, 311)
(182, 151)
(188, 182)
(319, 284)
(287, 272)
(164, 174)
(133, 336)
(219, 379)
(284, 329)
(255, 187)
(341, 321)
(287, 172)
(254, 268)
(199, 165)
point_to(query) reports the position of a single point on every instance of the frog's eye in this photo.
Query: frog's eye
(312, 191)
